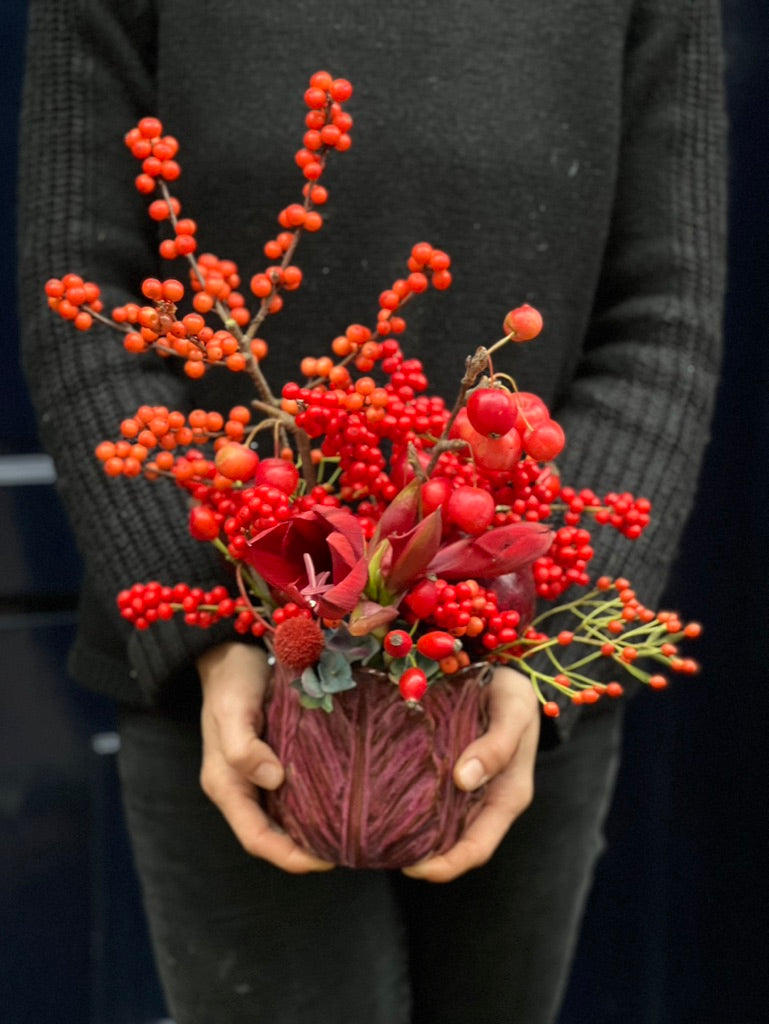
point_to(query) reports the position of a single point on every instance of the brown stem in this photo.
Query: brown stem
(300, 437)
(247, 599)
(474, 367)
(252, 365)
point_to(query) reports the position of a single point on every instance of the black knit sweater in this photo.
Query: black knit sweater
(564, 153)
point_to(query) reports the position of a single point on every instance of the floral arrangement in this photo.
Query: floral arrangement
(370, 528)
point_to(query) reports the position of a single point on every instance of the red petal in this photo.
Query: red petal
(343, 597)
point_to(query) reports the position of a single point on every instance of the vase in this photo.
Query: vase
(370, 784)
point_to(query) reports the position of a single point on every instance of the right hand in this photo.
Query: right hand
(234, 679)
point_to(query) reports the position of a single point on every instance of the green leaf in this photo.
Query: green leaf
(335, 672)
(311, 684)
(313, 703)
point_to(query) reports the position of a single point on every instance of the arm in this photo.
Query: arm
(90, 76)
(648, 374)
(640, 404)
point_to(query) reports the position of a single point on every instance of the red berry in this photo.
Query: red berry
(435, 493)
(422, 599)
(278, 473)
(397, 643)
(490, 411)
(413, 684)
(524, 323)
(150, 127)
(203, 523)
(471, 509)
(236, 461)
(497, 454)
(545, 441)
(436, 645)
(531, 411)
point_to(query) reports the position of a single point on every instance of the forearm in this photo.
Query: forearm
(89, 78)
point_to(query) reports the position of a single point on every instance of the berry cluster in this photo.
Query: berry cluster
(363, 474)
(74, 299)
(146, 603)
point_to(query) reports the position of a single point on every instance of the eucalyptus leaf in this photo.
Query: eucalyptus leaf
(313, 703)
(335, 672)
(311, 684)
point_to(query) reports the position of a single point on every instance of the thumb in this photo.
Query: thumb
(513, 716)
(248, 755)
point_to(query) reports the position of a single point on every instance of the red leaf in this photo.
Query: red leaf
(505, 549)
(412, 552)
(401, 514)
(369, 616)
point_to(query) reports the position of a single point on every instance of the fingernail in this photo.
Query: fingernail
(268, 775)
(472, 775)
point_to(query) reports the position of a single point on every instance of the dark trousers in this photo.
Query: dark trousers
(239, 941)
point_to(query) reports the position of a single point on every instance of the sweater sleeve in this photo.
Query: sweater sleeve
(90, 76)
(649, 368)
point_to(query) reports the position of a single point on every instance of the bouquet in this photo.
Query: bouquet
(387, 548)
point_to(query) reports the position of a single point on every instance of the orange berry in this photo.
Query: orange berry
(203, 302)
(194, 369)
(105, 450)
(236, 362)
(341, 346)
(258, 348)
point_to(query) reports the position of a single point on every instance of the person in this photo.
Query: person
(570, 156)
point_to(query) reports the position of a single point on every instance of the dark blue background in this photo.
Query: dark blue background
(676, 927)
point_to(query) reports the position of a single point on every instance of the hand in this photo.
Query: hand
(503, 758)
(234, 680)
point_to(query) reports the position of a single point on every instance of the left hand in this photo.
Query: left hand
(503, 758)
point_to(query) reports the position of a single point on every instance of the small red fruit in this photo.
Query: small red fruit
(435, 493)
(462, 428)
(278, 473)
(203, 524)
(490, 411)
(545, 441)
(437, 645)
(471, 509)
(236, 461)
(422, 599)
(524, 323)
(413, 684)
(397, 643)
(531, 411)
(498, 454)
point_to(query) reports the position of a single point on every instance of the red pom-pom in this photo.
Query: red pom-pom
(298, 643)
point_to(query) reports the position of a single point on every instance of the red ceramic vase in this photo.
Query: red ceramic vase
(370, 785)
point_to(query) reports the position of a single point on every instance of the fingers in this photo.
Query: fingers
(243, 751)
(505, 755)
(237, 801)
(513, 709)
(233, 678)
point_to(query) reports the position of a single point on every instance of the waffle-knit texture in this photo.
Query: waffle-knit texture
(566, 154)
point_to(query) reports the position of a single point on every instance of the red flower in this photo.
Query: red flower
(318, 558)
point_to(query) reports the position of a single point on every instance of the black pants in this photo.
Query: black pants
(239, 941)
